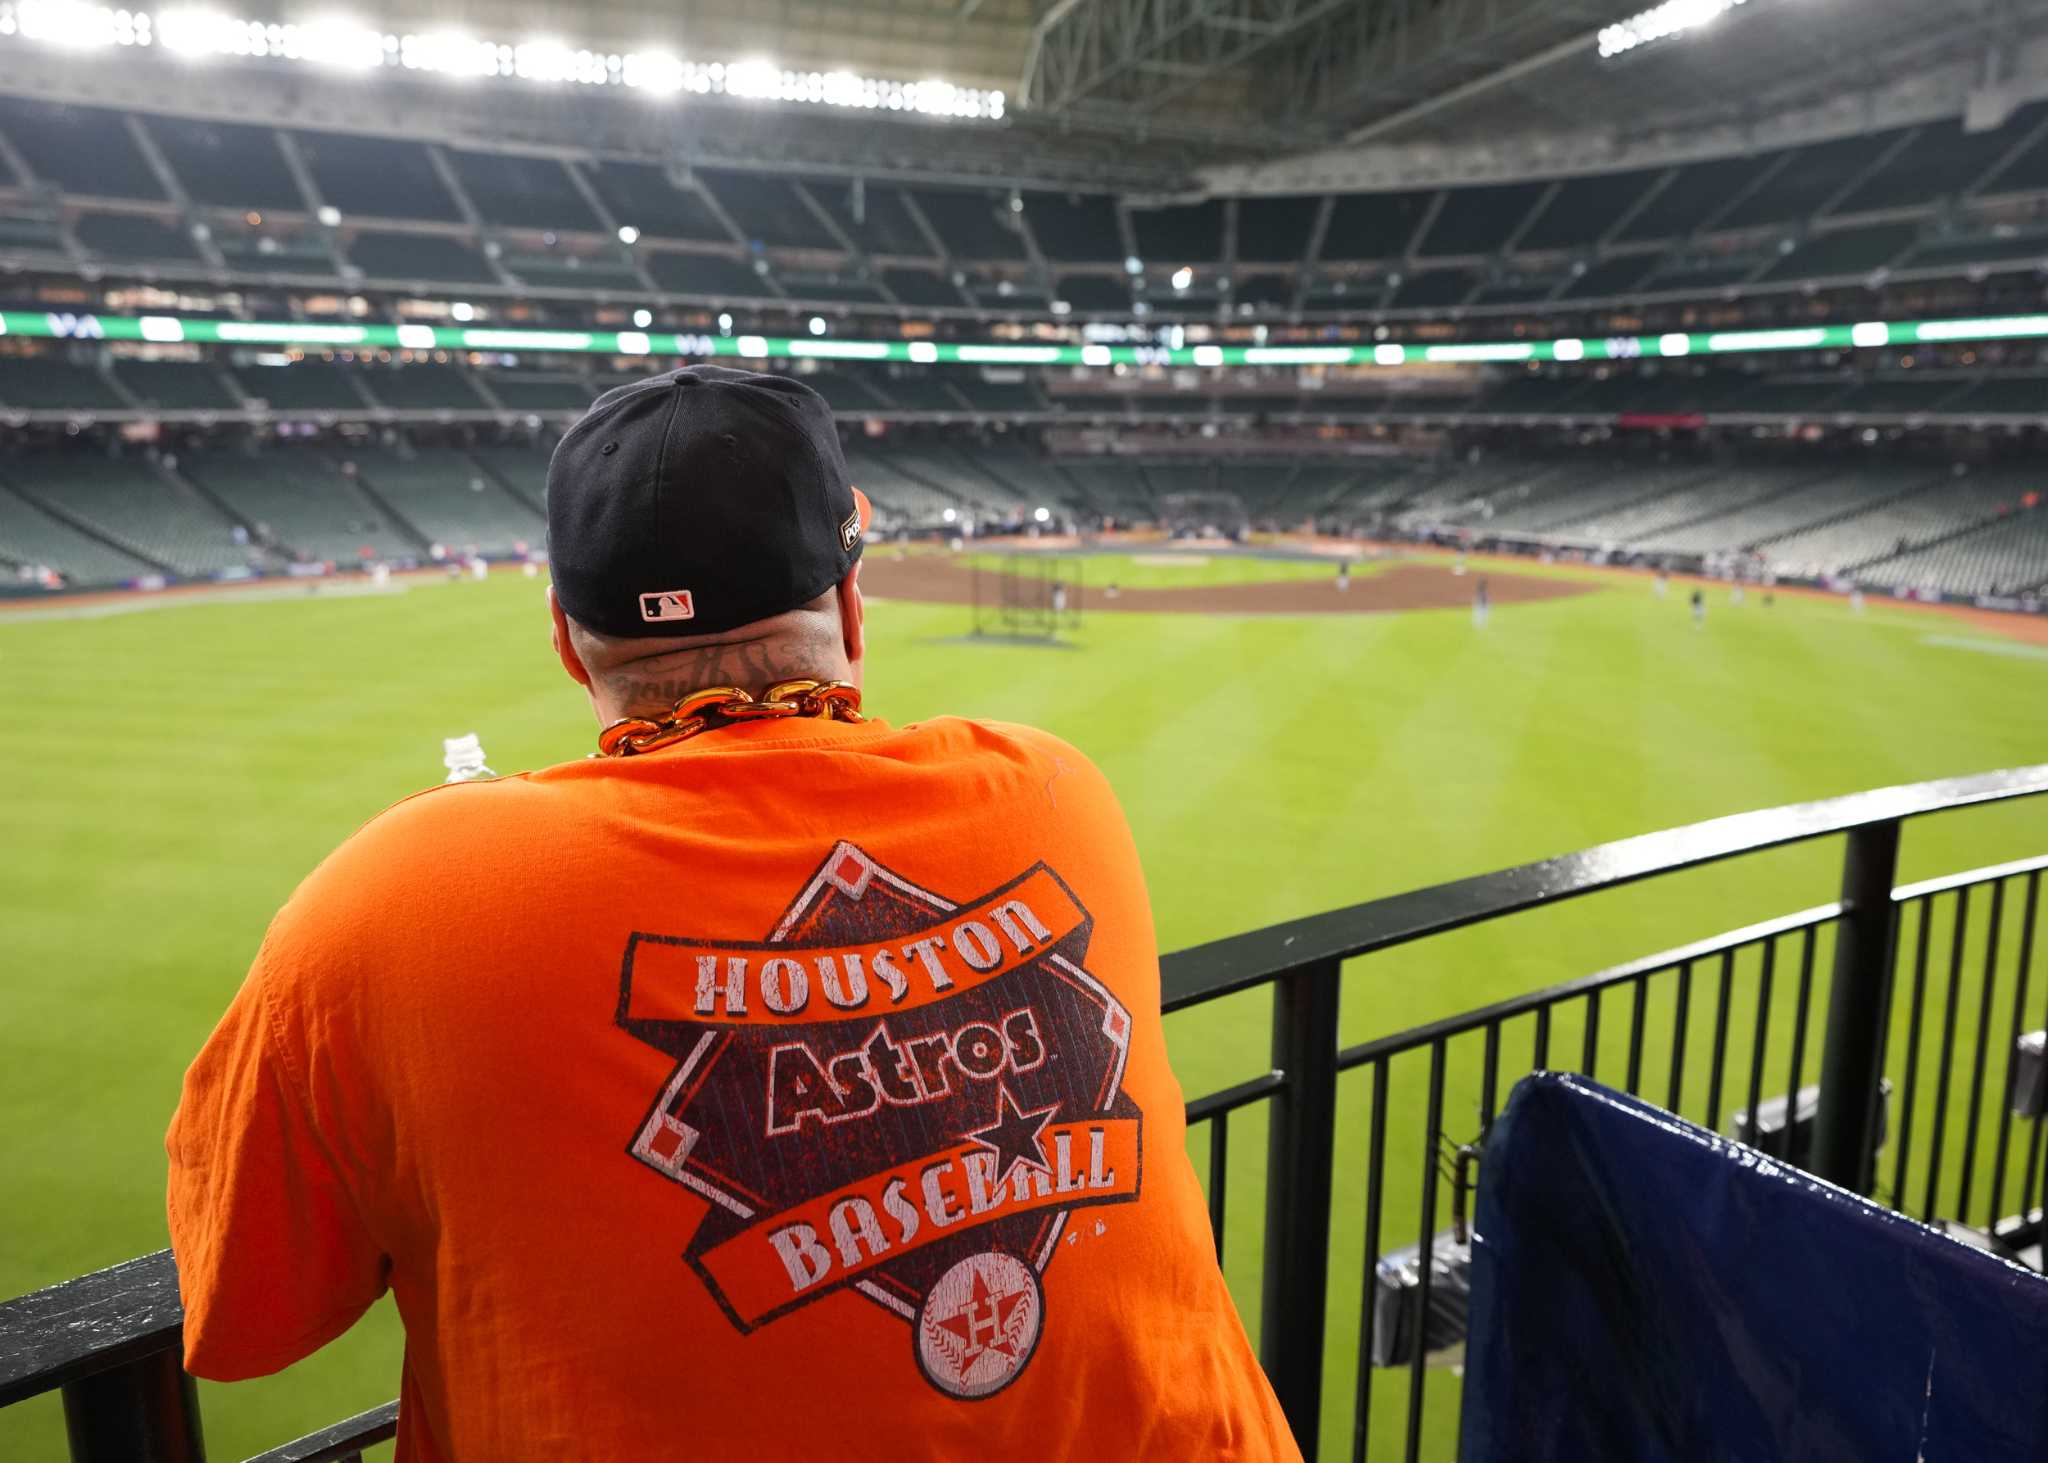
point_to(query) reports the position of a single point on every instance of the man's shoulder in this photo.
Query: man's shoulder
(971, 731)
(429, 836)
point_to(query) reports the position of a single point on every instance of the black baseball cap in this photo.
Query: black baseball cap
(700, 500)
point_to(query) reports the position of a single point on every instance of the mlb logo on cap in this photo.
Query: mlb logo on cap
(667, 604)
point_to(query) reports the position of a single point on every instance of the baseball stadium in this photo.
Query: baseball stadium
(1534, 507)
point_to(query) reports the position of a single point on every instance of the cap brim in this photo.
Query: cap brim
(866, 510)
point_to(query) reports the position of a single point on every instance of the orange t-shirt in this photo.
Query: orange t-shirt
(796, 1091)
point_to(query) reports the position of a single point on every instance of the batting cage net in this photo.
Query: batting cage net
(1027, 597)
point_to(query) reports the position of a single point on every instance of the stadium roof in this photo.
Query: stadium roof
(1285, 74)
(1144, 95)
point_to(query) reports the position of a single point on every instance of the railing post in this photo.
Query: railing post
(1859, 997)
(1303, 1126)
(143, 1411)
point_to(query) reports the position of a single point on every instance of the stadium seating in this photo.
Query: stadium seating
(86, 151)
(227, 165)
(1784, 217)
(768, 210)
(1615, 276)
(913, 390)
(909, 497)
(447, 499)
(1814, 497)
(537, 391)
(376, 177)
(715, 275)
(310, 386)
(1583, 210)
(1021, 395)
(961, 475)
(1184, 234)
(1113, 489)
(425, 257)
(521, 192)
(127, 502)
(175, 385)
(133, 236)
(34, 383)
(1846, 252)
(423, 387)
(1075, 227)
(1923, 504)
(1720, 514)
(970, 223)
(32, 539)
(649, 199)
(1941, 160)
(521, 471)
(30, 229)
(275, 245)
(879, 222)
(1028, 478)
(298, 500)
(1559, 504)
(2007, 556)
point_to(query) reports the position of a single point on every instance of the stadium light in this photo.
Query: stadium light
(655, 72)
(453, 53)
(1659, 23)
(1183, 277)
(643, 318)
(628, 234)
(329, 215)
(462, 310)
(551, 61)
(817, 325)
(78, 26)
(191, 31)
(200, 30)
(335, 41)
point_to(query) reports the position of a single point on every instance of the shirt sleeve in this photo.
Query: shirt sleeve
(274, 1258)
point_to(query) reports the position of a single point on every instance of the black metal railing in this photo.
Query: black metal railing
(1709, 1028)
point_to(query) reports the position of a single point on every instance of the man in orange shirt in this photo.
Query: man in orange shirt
(780, 1084)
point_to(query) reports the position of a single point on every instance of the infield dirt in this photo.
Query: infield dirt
(1390, 590)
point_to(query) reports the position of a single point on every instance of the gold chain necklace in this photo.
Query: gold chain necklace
(717, 706)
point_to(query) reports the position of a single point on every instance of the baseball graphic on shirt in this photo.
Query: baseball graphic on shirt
(980, 1324)
(894, 1095)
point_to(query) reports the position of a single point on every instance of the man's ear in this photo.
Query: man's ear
(852, 618)
(565, 647)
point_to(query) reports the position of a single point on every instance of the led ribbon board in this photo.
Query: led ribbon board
(330, 335)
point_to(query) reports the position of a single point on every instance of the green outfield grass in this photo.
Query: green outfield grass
(176, 771)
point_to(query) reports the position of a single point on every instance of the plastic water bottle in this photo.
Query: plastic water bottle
(463, 756)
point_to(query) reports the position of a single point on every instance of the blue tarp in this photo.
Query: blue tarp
(1645, 1291)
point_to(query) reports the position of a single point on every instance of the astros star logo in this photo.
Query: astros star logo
(1014, 1136)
